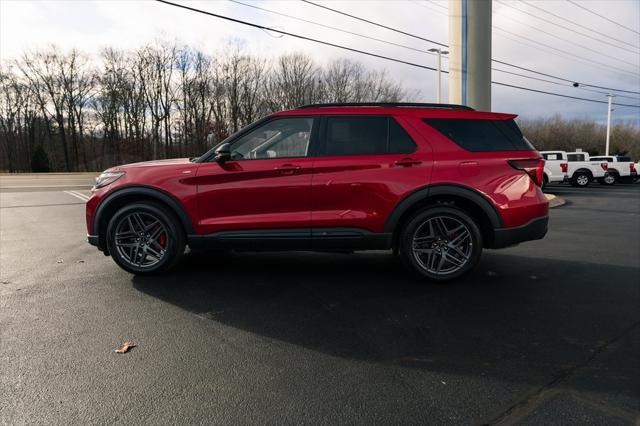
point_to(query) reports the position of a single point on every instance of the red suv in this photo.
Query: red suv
(435, 183)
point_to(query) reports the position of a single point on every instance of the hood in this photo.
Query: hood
(154, 163)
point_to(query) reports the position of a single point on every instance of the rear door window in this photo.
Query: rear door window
(481, 135)
(576, 157)
(365, 135)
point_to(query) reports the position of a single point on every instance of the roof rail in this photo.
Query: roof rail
(387, 105)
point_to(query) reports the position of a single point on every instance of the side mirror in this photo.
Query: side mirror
(223, 153)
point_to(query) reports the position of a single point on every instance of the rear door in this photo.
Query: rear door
(365, 165)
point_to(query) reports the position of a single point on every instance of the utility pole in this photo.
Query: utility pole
(440, 52)
(470, 58)
(606, 150)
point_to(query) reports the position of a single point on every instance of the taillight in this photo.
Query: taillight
(564, 167)
(534, 167)
(632, 167)
(604, 166)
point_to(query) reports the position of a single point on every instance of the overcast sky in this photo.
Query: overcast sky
(91, 25)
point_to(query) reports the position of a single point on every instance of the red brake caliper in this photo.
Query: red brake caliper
(162, 240)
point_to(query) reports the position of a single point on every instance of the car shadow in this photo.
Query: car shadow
(515, 317)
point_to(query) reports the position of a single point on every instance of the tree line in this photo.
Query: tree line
(69, 111)
(568, 135)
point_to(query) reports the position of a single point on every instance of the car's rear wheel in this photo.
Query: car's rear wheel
(441, 243)
(581, 179)
(609, 179)
(145, 238)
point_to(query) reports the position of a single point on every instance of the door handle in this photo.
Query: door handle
(407, 162)
(287, 169)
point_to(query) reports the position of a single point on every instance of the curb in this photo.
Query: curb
(555, 201)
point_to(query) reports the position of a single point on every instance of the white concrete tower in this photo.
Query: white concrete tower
(470, 53)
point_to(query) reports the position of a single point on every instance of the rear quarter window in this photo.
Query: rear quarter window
(482, 135)
(552, 156)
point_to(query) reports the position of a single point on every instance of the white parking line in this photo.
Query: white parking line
(77, 195)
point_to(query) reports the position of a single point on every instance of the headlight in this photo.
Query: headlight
(107, 178)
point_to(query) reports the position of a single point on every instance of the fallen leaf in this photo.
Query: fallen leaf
(124, 348)
(80, 261)
(60, 261)
(443, 382)
(6, 282)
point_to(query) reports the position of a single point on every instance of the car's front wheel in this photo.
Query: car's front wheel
(145, 238)
(441, 243)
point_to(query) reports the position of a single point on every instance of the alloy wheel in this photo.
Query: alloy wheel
(442, 245)
(609, 179)
(582, 180)
(141, 239)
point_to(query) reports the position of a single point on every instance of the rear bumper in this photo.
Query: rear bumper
(535, 229)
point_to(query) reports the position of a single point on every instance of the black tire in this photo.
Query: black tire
(545, 182)
(610, 180)
(581, 179)
(172, 245)
(420, 262)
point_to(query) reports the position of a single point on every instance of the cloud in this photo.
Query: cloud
(92, 25)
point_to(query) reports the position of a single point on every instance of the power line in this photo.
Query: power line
(564, 79)
(586, 60)
(391, 43)
(381, 40)
(607, 67)
(602, 16)
(576, 24)
(438, 4)
(567, 40)
(332, 27)
(555, 94)
(375, 23)
(275, 30)
(566, 28)
(561, 84)
(428, 6)
(262, 27)
(444, 45)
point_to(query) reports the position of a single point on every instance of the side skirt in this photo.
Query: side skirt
(293, 239)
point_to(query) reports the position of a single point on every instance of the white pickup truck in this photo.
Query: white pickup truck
(555, 168)
(621, 169)
(577, 166)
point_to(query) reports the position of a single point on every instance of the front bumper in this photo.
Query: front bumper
(93, 240)
(535, 229)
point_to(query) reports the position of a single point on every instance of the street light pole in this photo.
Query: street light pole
(440, 52)
(606, 150)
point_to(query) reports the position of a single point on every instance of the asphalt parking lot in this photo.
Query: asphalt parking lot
(546, 332)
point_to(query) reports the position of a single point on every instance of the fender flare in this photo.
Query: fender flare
(440, 189)
(149, 192)
(583, 170)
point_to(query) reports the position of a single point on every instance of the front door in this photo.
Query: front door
(265, 186)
